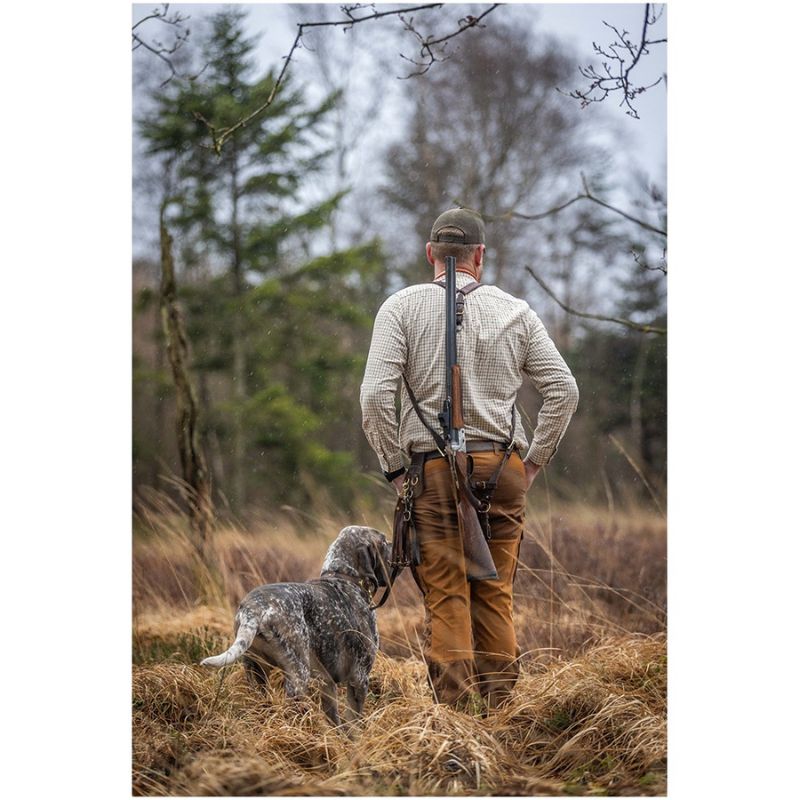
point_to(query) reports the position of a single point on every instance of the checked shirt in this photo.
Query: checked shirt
(500, 342)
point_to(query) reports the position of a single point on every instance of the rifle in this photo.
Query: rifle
(479, 562)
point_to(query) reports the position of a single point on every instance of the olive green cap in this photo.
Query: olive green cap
(467, 221)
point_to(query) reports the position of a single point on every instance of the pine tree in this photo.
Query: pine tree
(245, 233)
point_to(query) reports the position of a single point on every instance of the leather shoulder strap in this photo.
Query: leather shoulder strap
(440, 442)
(460, 298)
(470, 287)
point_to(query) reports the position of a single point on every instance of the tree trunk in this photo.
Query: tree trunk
(238, 345)
(159, 413)
(197, 485)
(637, 385)
(213, 447)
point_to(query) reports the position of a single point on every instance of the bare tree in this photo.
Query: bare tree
(431, 48)
(638, 254)
(621, 58)
(486, 130)
(196, 486)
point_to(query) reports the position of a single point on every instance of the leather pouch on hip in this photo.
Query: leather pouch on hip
(405, 548)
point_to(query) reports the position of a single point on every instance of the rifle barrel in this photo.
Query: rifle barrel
(450, 337)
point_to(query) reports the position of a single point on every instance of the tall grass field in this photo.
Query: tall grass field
(588, 716)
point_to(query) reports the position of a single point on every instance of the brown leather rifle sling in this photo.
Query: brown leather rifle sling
(405, 544)
(477, 495)
(481, 491)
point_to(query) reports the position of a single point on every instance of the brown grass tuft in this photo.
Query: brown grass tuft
(598, 718)
(594, 723)
(588, 715)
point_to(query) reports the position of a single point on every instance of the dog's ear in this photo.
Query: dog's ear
(372, 565)
(381, 563)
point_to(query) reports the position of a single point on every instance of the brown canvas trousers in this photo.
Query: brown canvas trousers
(469, 640)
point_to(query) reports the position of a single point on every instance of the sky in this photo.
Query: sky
(577, 24)
(640, 143)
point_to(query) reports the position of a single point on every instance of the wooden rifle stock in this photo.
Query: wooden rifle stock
(458, 408)
(479, 563)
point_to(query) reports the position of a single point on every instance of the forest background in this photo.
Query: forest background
(287, 242)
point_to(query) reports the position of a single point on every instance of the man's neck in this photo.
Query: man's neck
(465, 270)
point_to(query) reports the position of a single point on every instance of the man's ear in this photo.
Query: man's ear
(429, 254)
(477, 256)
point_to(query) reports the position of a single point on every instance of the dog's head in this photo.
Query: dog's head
(360, 552)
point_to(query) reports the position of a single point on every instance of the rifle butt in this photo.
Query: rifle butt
(458, 406)
(479, 562)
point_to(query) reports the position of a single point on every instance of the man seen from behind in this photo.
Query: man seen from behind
(470, 644)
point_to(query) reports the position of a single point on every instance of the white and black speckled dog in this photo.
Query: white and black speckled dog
(322, 629)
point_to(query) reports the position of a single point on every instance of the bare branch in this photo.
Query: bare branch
(428, 43)
(585, 195)
(662, 267)
(511, 214)
(621, 56)
(163, 15)
(158, 49)
(626, 322)
(155, 15)
(351, 20)
(219, 138)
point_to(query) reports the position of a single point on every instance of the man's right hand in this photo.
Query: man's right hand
(398, 483)
(531, 471)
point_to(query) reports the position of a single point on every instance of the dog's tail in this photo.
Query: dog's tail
(244, 638)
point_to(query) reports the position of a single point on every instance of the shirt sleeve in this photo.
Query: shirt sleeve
(385, 364)
(555, 383)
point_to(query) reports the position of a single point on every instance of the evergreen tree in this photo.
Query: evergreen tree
(245, 232)
(644, 300)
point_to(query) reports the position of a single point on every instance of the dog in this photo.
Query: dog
(323, 628)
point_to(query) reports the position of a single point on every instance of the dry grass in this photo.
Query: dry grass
(588, 716)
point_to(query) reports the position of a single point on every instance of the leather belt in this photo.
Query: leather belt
(476, 446)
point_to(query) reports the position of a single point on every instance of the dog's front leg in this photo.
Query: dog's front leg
(330, 702)
(356, 694)
(327, 687)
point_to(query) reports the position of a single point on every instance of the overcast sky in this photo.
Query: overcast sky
(577, 24)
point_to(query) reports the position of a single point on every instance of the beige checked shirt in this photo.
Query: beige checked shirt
(501, 340)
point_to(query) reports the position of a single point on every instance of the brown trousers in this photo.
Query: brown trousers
(469, 639)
